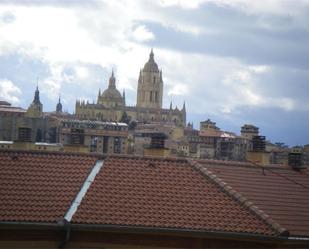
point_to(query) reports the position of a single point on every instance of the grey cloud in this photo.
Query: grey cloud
(278, 40)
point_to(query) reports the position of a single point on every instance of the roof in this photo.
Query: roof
(279, 191)
(163, 193)
(127, 191)
(39, 187)
(210, 133)
(5, 103)
(5, 108)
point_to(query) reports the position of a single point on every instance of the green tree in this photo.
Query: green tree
(125, 118)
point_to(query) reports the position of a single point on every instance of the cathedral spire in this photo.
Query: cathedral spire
(184, 107)
(124, 97)
(171, 105)
(151, 55)
(59, 105)
(140, 76)
(112, 81)
(36, 99)
(99, 95)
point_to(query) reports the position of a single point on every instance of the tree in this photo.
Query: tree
(132, 125)
(125, 118)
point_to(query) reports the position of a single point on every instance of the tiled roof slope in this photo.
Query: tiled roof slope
(164, 194)
(39, 187)
(279, 191)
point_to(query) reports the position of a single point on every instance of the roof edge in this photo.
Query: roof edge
(178, 231)
(141, 229)
(99, 156)
(240, 198)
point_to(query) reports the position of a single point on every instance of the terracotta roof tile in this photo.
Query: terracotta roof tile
(128, 191)
(39, 187)
(163, 193)
(279, 191)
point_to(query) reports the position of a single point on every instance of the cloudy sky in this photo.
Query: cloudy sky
(233, 61)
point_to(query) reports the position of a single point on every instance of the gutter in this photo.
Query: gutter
(138, 230)
(177, 232)
(152, 230)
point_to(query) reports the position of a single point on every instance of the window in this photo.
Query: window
(150, 96)
(93, 143)
(77, 136)
(105, 144)
(154, 79)
(156, 96)
(117, 145)
(24, 134)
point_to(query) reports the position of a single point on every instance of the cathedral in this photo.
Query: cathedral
(111, 105)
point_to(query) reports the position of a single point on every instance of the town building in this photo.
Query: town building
(248, 131)
(212, 143)
(93, 136)
(33, 129)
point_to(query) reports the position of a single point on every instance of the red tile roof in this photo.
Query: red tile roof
(39, 187)
(279, 191)
(127, 191)
(166, 194)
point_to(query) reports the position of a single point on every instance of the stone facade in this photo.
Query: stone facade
(111, 105)
(95, 136)
(33, 129)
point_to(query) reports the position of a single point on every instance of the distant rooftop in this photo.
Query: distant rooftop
(5, 103)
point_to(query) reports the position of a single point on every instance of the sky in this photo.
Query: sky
(233, 61)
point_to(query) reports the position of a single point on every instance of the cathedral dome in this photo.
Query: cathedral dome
(111, 96)
(151, 65)
(110, 93)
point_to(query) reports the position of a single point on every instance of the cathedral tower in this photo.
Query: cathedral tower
(150, 85)
(59, 107)
(35, 110)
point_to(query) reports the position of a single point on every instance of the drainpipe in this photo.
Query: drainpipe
(67, 227)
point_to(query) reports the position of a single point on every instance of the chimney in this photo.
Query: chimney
(296, 159)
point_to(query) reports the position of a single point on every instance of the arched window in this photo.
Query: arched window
(156, 96)
(154, 79)
(150, 96)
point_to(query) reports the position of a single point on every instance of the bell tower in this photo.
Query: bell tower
(35, 110)
(150, 85)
